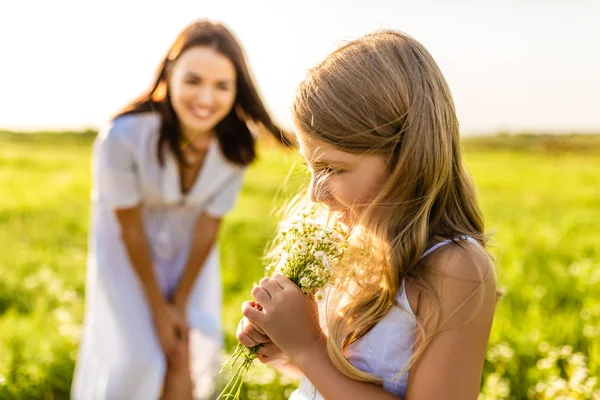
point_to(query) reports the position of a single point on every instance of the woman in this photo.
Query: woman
(165, 172)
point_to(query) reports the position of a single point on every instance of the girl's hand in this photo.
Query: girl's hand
(250, 336)
(272, 355)
(288, 316)
(247, 333)
(172, 331)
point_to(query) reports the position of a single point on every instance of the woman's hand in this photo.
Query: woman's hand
(286, 315)
(172, 331)
(180, 304)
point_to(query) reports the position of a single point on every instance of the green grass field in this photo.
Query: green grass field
(540, 196)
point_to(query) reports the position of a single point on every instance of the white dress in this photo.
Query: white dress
(385, 349)
(120, 356)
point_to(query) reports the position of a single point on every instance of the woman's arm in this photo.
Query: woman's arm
(134, 238)
(171, 326)
(204, 237)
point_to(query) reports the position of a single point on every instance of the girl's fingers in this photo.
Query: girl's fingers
(266, 350)
(248, 335)
(282, 281)
(261, 295)
(255, 316)
(268, 353)
(246, 340)
(258, 307)
(250, 303)
(251, 331)
(242, 337)
(270, 285)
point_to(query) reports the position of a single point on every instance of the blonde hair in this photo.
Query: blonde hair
(383, 94)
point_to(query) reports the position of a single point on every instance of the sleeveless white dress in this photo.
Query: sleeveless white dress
(386, 348)
(120, 357)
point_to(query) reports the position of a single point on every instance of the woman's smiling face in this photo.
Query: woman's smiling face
(202, 87)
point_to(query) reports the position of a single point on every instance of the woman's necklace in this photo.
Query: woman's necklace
(194, 154)
(186, 141)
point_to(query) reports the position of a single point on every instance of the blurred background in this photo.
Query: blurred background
(525, 79)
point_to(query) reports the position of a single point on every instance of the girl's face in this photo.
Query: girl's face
(202, 85)
(344, 182)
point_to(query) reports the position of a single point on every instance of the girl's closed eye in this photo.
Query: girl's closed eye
(324, 170)
(330, 171)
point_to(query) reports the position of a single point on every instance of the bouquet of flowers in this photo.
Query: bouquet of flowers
(306, 252)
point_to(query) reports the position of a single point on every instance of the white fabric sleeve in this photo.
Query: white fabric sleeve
(225, 199)
(118, 177)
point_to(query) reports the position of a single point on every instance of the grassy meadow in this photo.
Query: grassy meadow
(540, 196)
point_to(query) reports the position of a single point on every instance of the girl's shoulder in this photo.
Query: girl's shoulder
(463, 258)
(462, 276)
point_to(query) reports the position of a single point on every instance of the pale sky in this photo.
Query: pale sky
(512, 65)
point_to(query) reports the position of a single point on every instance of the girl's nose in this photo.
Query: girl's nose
(318, 191)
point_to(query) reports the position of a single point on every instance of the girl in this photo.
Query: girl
(165, 172)
(408, 317)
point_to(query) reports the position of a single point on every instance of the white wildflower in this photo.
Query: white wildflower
(319, 296)
(305, 282)
(318, 272)
(300, 246)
